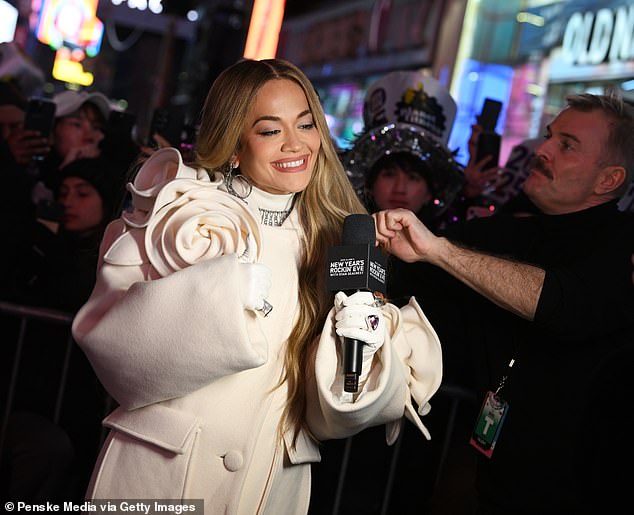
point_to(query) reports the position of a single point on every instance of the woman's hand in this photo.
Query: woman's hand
(84, 152)
(478, 178)
(24, 144)
(358, 318)
(161, 142)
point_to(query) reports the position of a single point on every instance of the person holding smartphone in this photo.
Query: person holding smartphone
(17, 148)
(19, 144)
(482, 169)
(78, 130)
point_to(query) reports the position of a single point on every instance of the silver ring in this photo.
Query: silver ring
(266, 308)
(372, 322)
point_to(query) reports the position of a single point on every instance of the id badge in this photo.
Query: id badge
(489, 423)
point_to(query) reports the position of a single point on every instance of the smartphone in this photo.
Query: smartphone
(121, 123)
(488, 117)
(169, 123)
(489, 145)
(39, 116)
(49, 210)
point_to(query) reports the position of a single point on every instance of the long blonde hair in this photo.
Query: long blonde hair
(322, 206)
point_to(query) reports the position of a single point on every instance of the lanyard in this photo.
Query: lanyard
(505, 377)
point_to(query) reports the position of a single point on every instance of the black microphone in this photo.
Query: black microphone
(356, 265)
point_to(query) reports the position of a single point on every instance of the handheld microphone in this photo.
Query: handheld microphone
(356, 265)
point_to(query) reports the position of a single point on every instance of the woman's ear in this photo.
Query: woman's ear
(611, 178)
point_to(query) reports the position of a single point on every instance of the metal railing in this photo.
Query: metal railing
(25, 314)
(456, 396)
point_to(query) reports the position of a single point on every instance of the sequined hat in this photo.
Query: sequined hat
(411, 112)
(445, 174)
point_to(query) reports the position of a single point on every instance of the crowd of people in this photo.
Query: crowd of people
(196, 283)
(64, 190)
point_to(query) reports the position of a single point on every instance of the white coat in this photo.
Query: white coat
(195, 374)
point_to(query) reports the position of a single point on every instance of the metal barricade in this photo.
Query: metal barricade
(26, 314)
(455, 394)
(457, 397)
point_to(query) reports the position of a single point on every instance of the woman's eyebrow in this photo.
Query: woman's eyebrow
(272, 118)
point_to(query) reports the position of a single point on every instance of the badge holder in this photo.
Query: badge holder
(489, 422)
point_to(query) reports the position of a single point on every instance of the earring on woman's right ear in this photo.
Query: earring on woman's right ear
(233, 180)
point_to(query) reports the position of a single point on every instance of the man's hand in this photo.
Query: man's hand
(401, 233)
(511, 285)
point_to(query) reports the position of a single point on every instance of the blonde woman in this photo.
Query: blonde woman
(221, 397)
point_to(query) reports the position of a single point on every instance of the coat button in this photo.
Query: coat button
(233, 461)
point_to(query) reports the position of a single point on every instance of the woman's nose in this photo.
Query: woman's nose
(292, 143)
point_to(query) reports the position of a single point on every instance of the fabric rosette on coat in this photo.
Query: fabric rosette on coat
(180, 218)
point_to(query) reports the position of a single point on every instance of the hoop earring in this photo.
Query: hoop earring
(230, 177)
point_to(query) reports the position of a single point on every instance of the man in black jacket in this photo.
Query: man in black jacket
(551, 295)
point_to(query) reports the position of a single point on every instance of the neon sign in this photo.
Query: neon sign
(264, 29)
(70, 23)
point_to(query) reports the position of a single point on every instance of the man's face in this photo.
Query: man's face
(568, 163)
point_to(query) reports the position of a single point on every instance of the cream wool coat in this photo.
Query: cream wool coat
(195, 373)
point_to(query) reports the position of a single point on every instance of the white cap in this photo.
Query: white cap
(67, 102)
(410, 97)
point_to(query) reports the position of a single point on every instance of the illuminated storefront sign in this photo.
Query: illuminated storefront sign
(591, 38)
(155, 6)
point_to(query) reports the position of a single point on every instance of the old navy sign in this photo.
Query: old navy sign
(592, 38)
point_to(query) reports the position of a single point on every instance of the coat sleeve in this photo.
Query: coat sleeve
(152, 340)
(407, 369)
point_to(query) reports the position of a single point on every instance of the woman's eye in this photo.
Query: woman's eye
(307, 126)
(272, 132)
